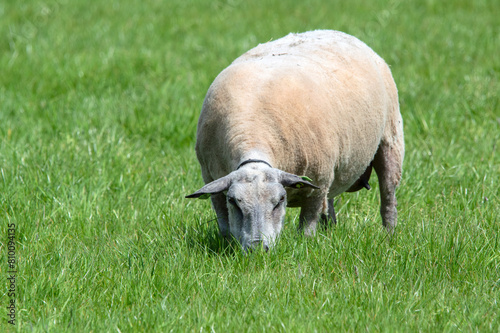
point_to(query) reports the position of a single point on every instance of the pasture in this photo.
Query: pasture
(98, 109)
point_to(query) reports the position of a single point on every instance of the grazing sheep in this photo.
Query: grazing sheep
(320, 104)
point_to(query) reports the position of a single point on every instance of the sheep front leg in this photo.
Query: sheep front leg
(329, 219)
(311, 212)
(220, 207)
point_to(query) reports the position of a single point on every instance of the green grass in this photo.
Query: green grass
(98, 109)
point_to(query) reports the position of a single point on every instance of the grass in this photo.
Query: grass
(99, 104)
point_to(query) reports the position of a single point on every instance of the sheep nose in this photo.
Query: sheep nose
(256, 244)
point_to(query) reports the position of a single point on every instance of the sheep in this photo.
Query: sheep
(296, 122)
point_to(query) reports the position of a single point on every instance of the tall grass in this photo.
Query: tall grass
(99, 103)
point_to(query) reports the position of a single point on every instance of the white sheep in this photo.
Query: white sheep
(320, 104)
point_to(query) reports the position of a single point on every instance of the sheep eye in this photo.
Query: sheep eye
(282, 199)
(234, 204)
(232, 201)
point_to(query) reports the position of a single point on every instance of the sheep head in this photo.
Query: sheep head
(256, 200)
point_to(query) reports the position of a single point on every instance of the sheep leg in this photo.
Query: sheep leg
(388, 165)
(311, 213)
(220, 207)
(330, 218)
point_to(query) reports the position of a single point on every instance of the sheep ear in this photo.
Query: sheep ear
(217, 186)
(294, 181)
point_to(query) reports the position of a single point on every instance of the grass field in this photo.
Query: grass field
(99, 102)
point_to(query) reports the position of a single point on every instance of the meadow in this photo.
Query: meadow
(99, 102)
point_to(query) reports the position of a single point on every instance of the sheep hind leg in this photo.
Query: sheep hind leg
(388, 166)
(329, 219)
